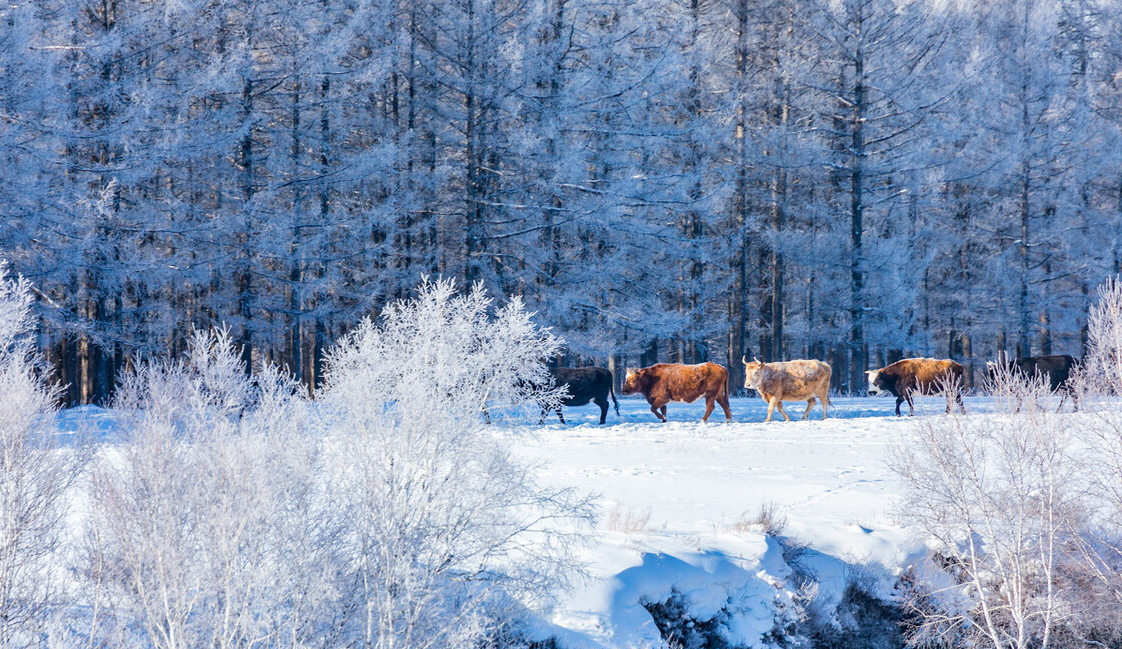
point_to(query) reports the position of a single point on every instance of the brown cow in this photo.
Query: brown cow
(791, 381)
(666, 382)
(918, 376)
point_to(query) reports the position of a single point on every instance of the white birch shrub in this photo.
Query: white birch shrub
(449, 535)
(207, 527)
(998, 498)
(1099, 385)
(35, 477)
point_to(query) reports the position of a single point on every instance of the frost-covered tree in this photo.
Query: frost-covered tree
(875, 112)
(680, 180)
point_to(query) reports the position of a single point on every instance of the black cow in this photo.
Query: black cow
(585, 384)
(1056, 369)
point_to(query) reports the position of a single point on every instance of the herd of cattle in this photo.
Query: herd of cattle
(800, 380)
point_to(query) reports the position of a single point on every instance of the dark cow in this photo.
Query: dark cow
(913, 376)
(1057, 370)
(665, 382)
(584, 384)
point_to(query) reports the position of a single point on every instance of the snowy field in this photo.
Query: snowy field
(679, 502)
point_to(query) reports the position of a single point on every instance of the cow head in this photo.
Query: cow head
(631, 382)
(995, 369)
(874, 381)
(752, 372)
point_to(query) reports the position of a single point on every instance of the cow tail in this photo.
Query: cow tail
(612, 391)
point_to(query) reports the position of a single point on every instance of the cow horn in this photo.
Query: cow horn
(756, 359)
(744, 359)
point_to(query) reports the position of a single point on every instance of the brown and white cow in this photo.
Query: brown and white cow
(791, 381)
(665, 382)
(913, 376)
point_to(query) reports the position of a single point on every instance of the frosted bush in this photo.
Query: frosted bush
(443, 355)
(997, 497)
(449, 535)
(35, 475)
(1099, 381)
(207, 527)
(227, 519)
(1102, 365)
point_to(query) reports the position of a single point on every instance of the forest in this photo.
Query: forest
(670, 180)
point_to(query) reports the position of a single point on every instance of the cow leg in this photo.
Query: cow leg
(663, 412)
(724, 401)
(809, 404)
(603, 403)
(709, 405)
(541, 420)
(655, 408)
(825, 399)
(911, 405)
(781, 410)
(899, 400)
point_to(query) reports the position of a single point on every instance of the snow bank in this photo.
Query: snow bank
(678, 503)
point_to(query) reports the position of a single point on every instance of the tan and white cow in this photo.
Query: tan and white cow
(789, 381)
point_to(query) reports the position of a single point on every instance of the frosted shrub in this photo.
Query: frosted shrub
(1102, 365)
(443, 355)
(35, 475)
(997, 497)
(206, 527)
(1099, 381)
(449, 535)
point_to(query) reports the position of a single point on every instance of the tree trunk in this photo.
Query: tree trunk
(244, 281)
(856, 232)
(296, 250)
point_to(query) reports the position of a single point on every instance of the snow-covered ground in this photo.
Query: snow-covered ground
(678, 504)
(678, 500)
